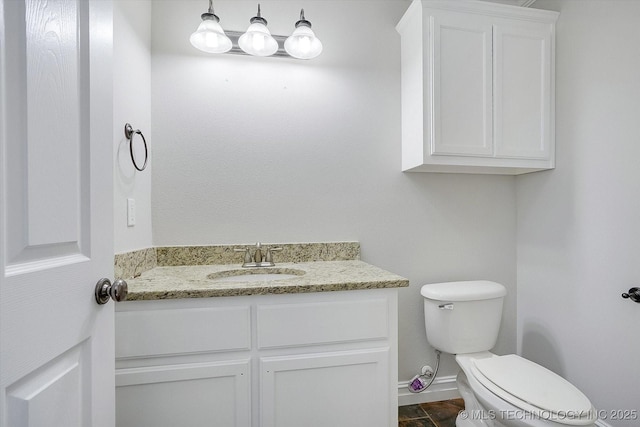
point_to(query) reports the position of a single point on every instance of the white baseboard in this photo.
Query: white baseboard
(443, 388)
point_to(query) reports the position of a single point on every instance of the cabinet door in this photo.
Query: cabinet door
(348, 388)
(462, 85)
(190, 395)
(523, 90)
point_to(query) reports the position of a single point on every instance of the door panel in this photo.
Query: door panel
(47, 171)
(56, 218)
(53, 95)
(186, 395)
(523, 91)
(325, 389)
(462, 88)
(33, 400)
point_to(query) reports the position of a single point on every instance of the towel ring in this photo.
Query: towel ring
(129, 133)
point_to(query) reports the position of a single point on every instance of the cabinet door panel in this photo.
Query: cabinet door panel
(326, 389)
(197, 395)
(523, 91)
(462, 87)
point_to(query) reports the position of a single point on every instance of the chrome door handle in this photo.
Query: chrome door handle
(105, 290)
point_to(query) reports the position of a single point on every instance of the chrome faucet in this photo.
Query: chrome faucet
(258, 260)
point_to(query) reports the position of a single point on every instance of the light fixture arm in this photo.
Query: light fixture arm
(210, 15)
(258, 18)
(303, 22)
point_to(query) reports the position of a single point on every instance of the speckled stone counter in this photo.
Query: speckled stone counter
(132, 264)
(193, 281)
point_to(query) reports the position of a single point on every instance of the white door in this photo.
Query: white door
(57, 353)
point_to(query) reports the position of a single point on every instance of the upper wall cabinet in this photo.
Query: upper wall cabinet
(477, 88)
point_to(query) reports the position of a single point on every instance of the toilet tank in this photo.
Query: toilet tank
(463, 317)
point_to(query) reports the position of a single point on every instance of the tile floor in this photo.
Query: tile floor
(434, 414)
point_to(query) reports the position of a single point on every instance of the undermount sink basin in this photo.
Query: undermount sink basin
(255, 275)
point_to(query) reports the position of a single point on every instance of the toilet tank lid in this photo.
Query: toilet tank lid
(471, 290)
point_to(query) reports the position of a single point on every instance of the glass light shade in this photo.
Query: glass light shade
(303, 43)
(257, 40)
(210, 37)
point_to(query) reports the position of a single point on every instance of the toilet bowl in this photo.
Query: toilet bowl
(463, 318)
(514, 391)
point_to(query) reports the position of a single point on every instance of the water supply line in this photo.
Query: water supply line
(420, 382)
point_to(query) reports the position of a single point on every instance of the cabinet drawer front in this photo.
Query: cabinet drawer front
(181, 331)
(284, 325)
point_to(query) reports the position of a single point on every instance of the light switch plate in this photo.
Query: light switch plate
(131, 212)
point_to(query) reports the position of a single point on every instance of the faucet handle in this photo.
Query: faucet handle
(247, 254)
(269, 255)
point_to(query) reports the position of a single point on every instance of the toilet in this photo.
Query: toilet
(463, 319)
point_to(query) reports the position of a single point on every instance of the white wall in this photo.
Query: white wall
(579, 225)
(132, 104)
(277, 150)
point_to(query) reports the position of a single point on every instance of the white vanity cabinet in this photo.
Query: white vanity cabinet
(477, 87)
(312, 359)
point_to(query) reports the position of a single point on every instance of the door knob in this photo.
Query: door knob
(105, 290)
(633, 294)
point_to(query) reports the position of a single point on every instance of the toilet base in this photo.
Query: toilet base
(473, 415)
(464, 422)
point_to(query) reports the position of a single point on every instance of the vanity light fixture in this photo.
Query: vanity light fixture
(303, 43)
(210, 37)
(257, 40)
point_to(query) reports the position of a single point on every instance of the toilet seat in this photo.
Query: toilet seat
(533, 388)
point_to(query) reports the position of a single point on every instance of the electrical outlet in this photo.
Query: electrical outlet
(131, 212)
(427, 371)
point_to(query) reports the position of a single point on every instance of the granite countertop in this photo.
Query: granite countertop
(192, 281)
